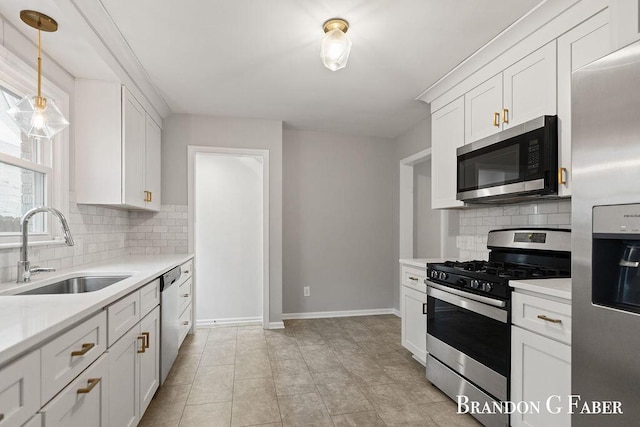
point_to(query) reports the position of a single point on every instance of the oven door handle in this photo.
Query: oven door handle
(452, 296)
(468, 295)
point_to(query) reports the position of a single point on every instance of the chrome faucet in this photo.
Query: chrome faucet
(24, 266)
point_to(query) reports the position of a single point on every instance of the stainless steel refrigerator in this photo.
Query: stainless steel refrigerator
(606, 238)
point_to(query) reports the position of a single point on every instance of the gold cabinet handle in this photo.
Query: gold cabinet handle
(185, 323)
(151, 196)
(496, 119)
(505, 115)
(413, 278)
(549, 319)
(148, 196)
(185, 295)
(142, 350)
(146, 339)
(1, 417)
(562, 175)
(91, 383)
(85, 348)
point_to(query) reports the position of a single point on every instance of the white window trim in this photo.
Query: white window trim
(21, 78)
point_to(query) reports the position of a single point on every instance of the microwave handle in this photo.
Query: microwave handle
(434, 291)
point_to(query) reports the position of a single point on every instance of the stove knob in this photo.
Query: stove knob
(434, 274)
(443, 275)
(474, 284)
(487, 287)
(461, 282)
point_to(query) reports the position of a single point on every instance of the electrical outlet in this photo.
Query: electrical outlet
(307, 291)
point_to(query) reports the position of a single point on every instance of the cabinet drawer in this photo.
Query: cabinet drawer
(69, 354)
(149, 297)
(83, 403)
(123, 315)
(546, 317)
(20, 390)
(184, 324)
(414, 277)
(184, 293)
(187, 271)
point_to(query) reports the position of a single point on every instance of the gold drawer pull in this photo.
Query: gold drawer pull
(505, 115)
(496, 119)
(91, 383)
(148, 196)
(549, 319)
(185, 323)
(413, 278)
(142, 350)
(85, 348)
(146, 339)
(185, 295)
(562, 175)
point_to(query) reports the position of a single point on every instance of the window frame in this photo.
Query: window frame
(20, 77)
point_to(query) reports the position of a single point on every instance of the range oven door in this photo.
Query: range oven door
(470, 334)
(518, 162)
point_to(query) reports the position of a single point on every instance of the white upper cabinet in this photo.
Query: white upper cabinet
(117, 148)
(482, 107)
(447, 134)
(522, 92)
(152, 165)
(530, 87)
(583, 44)
(133, 143)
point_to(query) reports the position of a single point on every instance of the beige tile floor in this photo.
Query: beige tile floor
(349, 371)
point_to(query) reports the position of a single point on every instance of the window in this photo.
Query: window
(32, 171)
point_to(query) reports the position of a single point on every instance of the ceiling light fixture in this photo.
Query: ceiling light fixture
(335, 44)
(35, 115)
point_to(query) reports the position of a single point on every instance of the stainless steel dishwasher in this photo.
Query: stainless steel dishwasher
(170, 329)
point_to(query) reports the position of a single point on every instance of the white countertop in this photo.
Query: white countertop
(28, 320)
(420, 262)
(560, 288)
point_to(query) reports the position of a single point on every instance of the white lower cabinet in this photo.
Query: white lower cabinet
(413, 302)
(150, 359)
(542, 371)
(414, 322)
(20, 390)
(83, 403)
(541, 359)
(134, 367)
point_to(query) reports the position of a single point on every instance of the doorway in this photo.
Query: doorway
(228, 234)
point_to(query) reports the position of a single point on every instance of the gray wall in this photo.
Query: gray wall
(180, 131)
(412, 141)
(426, 221)
(338, 206)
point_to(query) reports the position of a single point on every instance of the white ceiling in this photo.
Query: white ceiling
(260, 59)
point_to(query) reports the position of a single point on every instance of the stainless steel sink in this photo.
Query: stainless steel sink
(76, 285)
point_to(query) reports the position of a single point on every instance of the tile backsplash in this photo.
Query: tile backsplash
(164, 232)
(475, 223)
(101, 233)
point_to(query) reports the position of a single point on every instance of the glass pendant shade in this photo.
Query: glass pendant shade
(34, 115)
(38, 119)
(335, 49)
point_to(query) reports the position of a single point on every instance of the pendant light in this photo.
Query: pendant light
(335, 44)
(35, 115)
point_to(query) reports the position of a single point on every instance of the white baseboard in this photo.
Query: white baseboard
(347, 313)
(396, 312)
(229, 322)
(276, 325)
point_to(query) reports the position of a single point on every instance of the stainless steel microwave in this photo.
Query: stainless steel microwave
(517, 163)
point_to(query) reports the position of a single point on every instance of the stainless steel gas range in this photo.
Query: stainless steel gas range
(469, 313)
